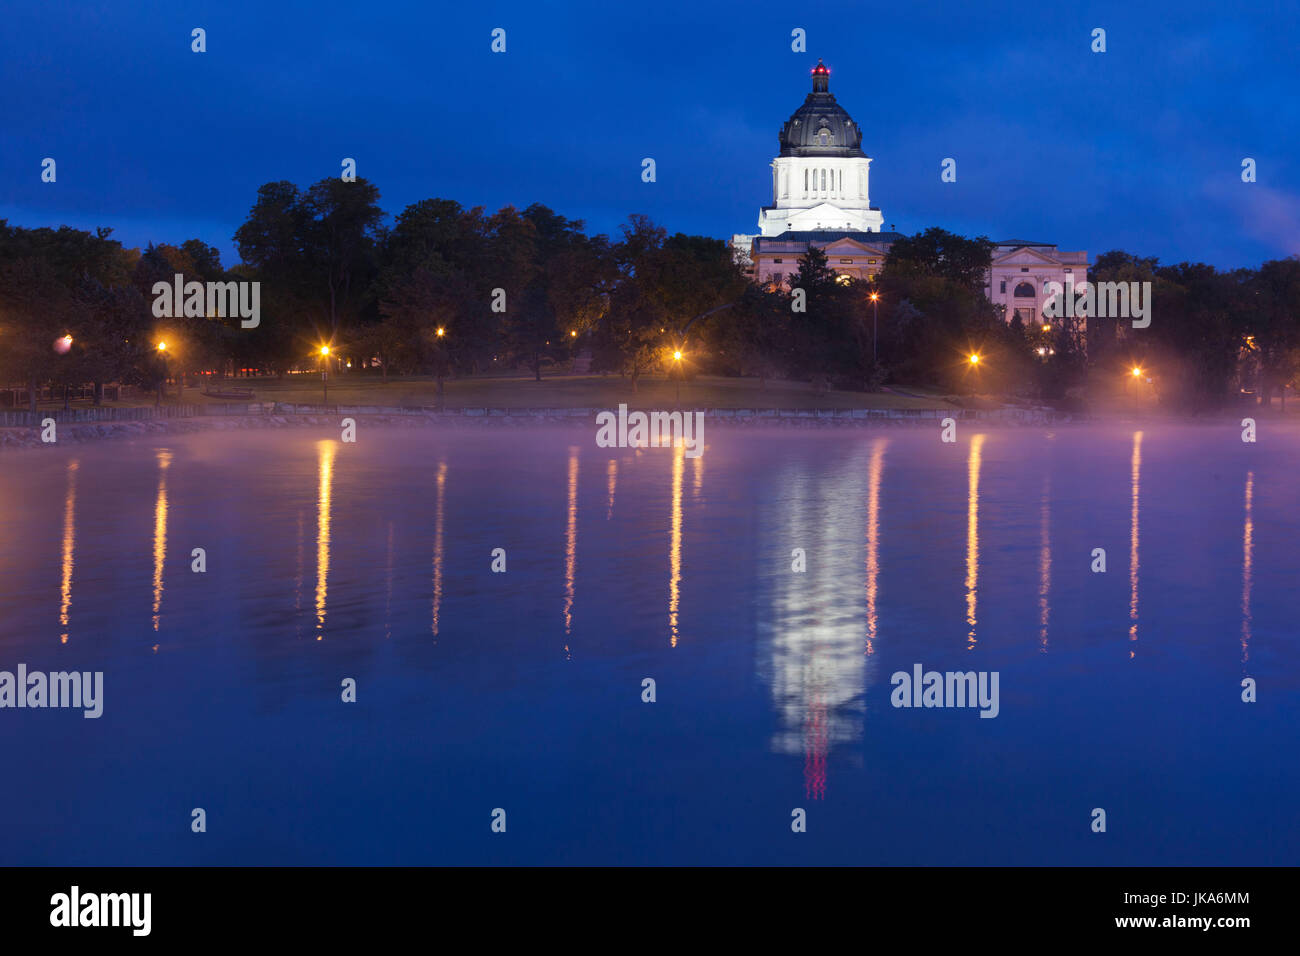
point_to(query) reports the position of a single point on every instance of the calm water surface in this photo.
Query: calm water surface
(523, 690)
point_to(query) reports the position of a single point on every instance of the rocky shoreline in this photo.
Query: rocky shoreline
(80, 433)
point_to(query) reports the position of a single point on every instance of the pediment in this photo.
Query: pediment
(847, 246)
(1025, 256)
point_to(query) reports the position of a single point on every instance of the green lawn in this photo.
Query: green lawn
(561, 391)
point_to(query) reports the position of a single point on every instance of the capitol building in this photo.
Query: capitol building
(821, 197)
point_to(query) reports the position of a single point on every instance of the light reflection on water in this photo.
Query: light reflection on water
(771, 680)
(570, 542)
(973, 536)
(325, 485)
(1045, 562)
(440, 501)
(68, 558)
(612, 471)
(160, 534)
(875, 472)
(678, 458)
(1136, 468)
(814, 655)
(1247, 561)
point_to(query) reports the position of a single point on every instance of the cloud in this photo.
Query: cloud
(1265, 213)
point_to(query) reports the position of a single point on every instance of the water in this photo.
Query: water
(522, 690)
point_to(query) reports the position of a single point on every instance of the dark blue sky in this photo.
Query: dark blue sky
(1139, 148)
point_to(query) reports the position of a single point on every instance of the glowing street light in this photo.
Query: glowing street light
(1137, 372)
(162, 354)
(875, 326)
(974, 359)
(325, 374)
(440, 332)
(573, 333)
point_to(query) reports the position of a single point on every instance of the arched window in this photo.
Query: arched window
(825, 138)
(805, 182)
(823, 180)
(1024, 291)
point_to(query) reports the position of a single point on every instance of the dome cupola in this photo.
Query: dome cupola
(821, 127)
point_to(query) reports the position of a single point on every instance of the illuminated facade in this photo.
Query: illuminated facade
(821, 199)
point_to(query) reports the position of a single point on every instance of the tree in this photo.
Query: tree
(937, 253)
(662, 284)
(753, 337)
(418, 326)
(934, 315)
(1273, 324)
(44, 275)
(341, 237)
(37, 310)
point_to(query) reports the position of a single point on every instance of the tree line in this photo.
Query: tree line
(446, 290)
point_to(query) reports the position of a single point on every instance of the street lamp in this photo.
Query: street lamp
(974, 359)
(441, 332)
(162, 354)
(677, 359)
(875, 325)
(324, 373)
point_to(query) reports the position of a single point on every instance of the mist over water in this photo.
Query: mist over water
(522, 690)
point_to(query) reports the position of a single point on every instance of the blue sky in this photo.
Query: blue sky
(1138, 148)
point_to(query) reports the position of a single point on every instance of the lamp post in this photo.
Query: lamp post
(441, 394)
(162, 353)
(325, 373)
(677, 362)
(875, 327)
(63, 346)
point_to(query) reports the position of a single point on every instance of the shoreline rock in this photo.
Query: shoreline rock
(290, 417)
